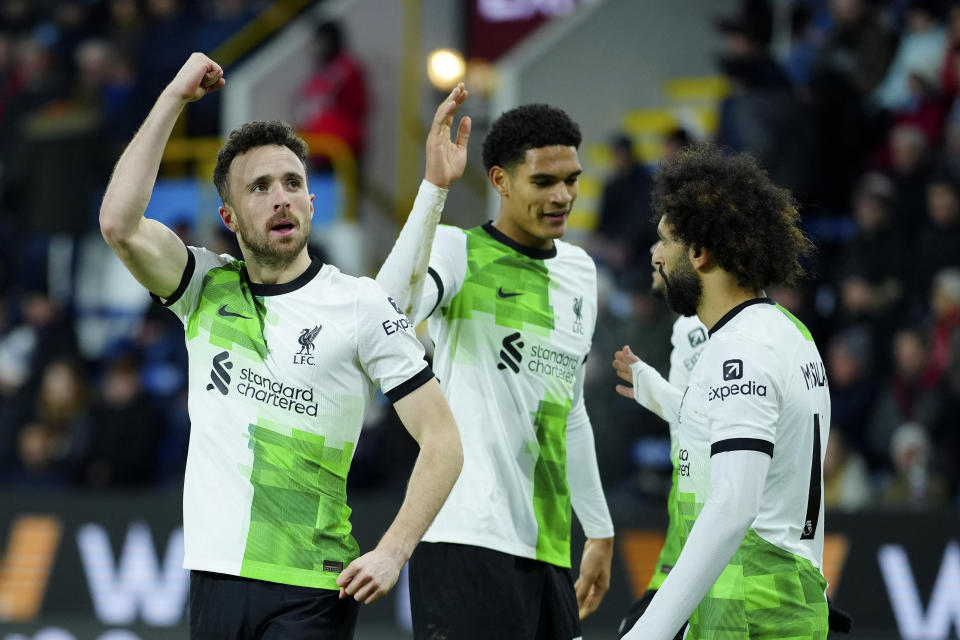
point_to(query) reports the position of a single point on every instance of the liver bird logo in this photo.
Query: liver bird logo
(307, 336)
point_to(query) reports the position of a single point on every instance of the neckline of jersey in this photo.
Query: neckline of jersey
(728, 316)
(530, 252)
(261, 289)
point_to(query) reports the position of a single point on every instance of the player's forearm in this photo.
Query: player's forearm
(583, 476)
(654, 392)
(135, 174)
(434, 474)
(405, 270)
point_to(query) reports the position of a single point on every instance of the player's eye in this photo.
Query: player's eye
(293, 183)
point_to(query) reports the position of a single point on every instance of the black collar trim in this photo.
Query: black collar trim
(530, 252)
(260, 289)
(728, 316)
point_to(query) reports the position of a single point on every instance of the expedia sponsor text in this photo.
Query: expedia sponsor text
(748, 388)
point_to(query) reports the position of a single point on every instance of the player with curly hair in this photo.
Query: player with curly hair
(753, 420)
(511, 310)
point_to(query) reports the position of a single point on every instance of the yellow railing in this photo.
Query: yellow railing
(274, 17)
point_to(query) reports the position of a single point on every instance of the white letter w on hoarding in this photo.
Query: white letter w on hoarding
(119, 591)
(902, 588)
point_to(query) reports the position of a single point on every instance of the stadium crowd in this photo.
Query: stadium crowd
(859, 116)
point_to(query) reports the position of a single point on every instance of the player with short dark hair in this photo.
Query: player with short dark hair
(512, 310)
(754, 419)
(285, 352)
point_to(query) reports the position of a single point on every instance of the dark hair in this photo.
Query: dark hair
(729, 206)
(331, 33)
(249, 136)
(528, 126)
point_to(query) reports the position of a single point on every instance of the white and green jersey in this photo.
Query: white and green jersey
(760, 385)
(687, 340)
(513, 327)
(280, 376)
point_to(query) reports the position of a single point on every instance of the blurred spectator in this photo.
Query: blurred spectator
(937, 243)
(910, 163)
(920, 53)
(125, 26)
(948, 73)
(914, 483)
(624, 231)
(908, 395)
(859, 47)
(50, 438)
(218, 20)
(39, 335)
(869, 274)
(17, 16)
(333, 101)
(846, 483)
(125, 431)
(945, 330)
(852, 60)
(762, 115)
(676, 140)
(853, 387)
(164, 47)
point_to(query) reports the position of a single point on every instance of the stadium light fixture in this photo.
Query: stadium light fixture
(445, 68)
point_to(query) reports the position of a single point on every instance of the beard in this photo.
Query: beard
(683, 288)
(272, 252)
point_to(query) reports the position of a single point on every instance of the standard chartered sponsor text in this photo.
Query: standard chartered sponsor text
(552, 363)
(274, 392)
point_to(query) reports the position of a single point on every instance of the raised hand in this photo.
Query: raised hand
(446, 159)
(198, 76)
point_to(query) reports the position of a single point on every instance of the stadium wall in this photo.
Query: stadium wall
(108, 567)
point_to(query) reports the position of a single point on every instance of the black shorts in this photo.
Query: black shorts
(234, 608)
(461, 592)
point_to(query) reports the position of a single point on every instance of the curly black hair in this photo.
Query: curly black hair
(729, 206)
(249, 136)
(529, 126)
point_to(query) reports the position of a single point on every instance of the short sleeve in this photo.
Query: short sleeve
(389, 350)
(448, 266)
(742, 394)
(184, 300)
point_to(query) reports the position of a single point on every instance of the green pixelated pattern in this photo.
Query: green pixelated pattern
(551, 493)
(763, 593)
(491, 265)
(299, 516)
(673, 543)
(226, 286)
(800, 326)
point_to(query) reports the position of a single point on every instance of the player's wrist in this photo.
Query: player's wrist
(437, 182)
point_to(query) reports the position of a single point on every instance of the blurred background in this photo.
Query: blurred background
(849, 103)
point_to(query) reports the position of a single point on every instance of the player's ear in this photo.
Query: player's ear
(699, 256)
(228, 216)
(500, 179)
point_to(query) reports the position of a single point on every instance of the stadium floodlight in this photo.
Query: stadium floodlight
(445, 68)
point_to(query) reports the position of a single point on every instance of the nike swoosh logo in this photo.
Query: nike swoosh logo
(222, 311)
(503, 294)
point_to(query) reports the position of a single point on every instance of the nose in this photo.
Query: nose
(280, 199)
(564, 194)
(655, 258)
